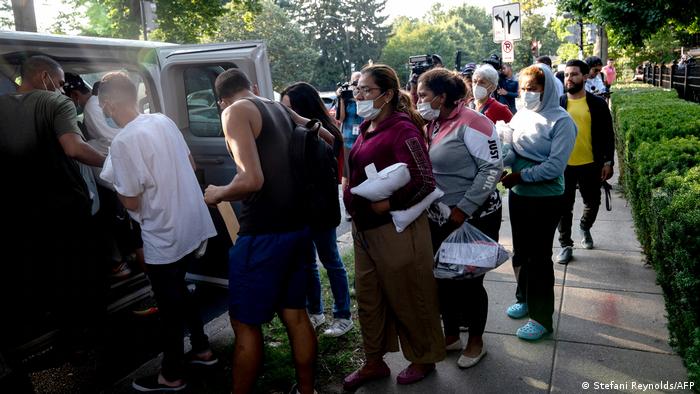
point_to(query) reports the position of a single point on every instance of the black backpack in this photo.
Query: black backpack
(315, 172)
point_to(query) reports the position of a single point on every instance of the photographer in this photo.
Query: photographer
(420, 64)
(347, 115)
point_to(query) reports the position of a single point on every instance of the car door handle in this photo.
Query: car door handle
(217, 160)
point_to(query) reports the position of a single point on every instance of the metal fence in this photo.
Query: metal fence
(685, 78)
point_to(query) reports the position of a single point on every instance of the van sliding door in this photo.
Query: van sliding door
(187, 80)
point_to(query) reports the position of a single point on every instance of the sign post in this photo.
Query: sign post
(506, 29)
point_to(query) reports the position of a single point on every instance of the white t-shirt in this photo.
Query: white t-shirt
(149, 158)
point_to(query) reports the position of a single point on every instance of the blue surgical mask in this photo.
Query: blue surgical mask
(111, 123)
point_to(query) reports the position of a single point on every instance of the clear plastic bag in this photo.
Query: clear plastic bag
(468, 253)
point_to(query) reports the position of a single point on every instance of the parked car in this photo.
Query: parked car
(176, 80)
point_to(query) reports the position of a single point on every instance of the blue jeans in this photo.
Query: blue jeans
(325, 243)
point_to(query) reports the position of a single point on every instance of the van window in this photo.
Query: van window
(136, 78)
(202, 109)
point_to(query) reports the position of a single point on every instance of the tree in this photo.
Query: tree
(292, 57)
(635, 20)
(346, 33)
(25, 18)
(6, 9)
(186, 21)
(442, 32)
(365, 32)
(535, 28)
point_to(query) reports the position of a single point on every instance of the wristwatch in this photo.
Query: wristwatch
(608, 163)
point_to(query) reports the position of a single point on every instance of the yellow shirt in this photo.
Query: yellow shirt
(583, 148)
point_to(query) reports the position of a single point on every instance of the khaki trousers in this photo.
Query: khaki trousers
(396, 293)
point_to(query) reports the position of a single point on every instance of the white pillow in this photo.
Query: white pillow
(403, 219)
(381, 185)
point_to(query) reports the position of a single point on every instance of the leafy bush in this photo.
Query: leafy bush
(659, 150)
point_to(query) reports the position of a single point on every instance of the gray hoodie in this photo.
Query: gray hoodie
(545, 136)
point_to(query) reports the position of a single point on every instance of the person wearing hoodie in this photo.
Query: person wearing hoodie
(540, 137)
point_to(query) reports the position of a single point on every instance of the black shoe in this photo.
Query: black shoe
(150, 384)
(565, 255)
(587, 241)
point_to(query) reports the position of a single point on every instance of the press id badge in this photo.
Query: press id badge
(356, 129)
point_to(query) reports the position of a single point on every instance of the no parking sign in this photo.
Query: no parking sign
(507, 51)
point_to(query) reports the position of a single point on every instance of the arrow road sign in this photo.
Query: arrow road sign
(506, 22)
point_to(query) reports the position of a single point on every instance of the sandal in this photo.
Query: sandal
(531, 331)
(517, 311)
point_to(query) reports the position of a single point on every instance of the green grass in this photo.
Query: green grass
(336, 356)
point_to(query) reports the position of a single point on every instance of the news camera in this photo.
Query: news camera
(346, 90)
(420, 63)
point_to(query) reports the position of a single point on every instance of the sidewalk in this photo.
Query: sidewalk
(609, 326)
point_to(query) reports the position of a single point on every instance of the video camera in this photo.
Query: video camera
(420, 63)
(346, 90)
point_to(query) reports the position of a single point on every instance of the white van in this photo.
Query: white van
(176, 80)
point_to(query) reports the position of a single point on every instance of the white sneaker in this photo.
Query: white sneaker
(317, 320)
(339, 327)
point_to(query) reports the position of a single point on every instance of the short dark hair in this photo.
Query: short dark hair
(437, 59)
(231, 82)
(544, 60)
(440, 80)
(96, 88)
(582, 66)
(37, 64)
(593, 61)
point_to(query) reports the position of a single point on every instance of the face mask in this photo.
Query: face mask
(366, 110)
(109, 120)
(427, 111)
(46, 87)
(529, 100)
(480, 92)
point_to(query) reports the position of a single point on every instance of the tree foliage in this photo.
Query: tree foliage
(441, 32)
(6, 20)
(186, 21)
(346, 33)
(635, 20)
(291, 55)
(535, 28)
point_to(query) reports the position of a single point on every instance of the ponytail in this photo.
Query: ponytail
(405, 105)
(386, 78)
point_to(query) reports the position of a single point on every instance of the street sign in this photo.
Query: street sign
(506, 22)
(507, 51)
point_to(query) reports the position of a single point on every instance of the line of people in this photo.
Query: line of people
(272, 267)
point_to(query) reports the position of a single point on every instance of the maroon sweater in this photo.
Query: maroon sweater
(396, 139)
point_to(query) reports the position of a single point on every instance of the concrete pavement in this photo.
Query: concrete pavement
(609, 325)
(610, 328)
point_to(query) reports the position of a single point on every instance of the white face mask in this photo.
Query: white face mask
(366, 110)
(427, 111)
(480, 92)
(55, 89)
(529, 100)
